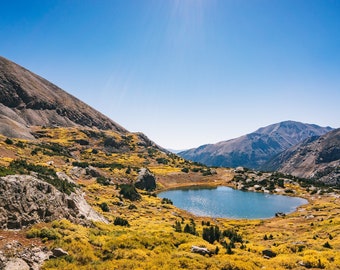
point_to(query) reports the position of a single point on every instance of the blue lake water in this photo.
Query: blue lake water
(230, 203)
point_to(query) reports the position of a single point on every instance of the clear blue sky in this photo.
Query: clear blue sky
(185, 72)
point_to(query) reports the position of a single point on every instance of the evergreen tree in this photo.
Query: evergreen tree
(178, 226)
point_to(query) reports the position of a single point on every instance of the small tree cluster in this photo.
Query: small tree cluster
(190, 227)
(233, 236)
(211, 234)
(166, 201)
(178, 226)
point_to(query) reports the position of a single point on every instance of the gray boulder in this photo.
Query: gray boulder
(146, 180)
(200, 250)
(59, 252)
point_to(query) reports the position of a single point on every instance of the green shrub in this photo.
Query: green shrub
(104, 207)
(162, 161)
(128, 191)
(327, 245)
(80, 164)
(103, 181)
(185, 170)
(82, 142)
(166, 201)
(8, 141)
(121, 222)
(44, 233)
(5, 171)
(132, 207)
(232, 235)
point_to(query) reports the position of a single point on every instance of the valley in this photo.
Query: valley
(150, 240)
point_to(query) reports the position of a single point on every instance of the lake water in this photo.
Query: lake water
(230, 203)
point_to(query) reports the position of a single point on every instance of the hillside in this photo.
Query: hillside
(28, 100)
(254, 149)
(317, 157)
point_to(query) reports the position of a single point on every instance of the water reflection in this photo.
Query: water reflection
(230, 203)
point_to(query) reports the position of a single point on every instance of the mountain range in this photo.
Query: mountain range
(254, 149)
(317, 157)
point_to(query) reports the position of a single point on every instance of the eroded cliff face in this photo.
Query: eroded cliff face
(26, 200)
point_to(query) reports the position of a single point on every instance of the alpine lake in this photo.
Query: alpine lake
(225, 202)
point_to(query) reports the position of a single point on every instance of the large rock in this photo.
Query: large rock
(16, 264)
(26, 200)
(146, 180)
(200, 250)
(59, 252)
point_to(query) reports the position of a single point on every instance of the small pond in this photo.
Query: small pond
(226, 202)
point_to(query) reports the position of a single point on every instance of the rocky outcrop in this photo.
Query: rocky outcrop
(26, 200)
(254, 149)
(146, 180)
(15, 256)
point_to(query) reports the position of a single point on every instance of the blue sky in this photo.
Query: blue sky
(185, 72)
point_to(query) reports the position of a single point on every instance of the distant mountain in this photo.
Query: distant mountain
(254, 149)
(176, 151)
(27, 100)
(316, 157)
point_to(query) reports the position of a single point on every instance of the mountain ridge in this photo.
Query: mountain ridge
(316, 157)
(254, 149)
(26, 99)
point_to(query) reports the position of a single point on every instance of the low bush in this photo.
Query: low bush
(8, 141)
(121, 222)
(128, 191)
(104, 207)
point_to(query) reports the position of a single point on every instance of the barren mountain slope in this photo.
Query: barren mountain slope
(317, 157)
(29, 100)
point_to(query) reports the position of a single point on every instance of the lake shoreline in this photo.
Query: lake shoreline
(224, 177)
(230, 203)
